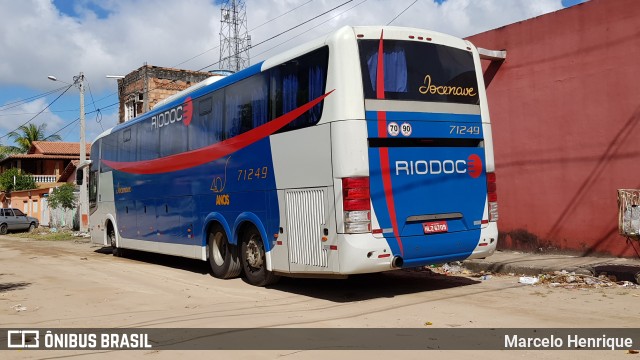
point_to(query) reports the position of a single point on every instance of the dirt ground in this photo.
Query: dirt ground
(74, 284)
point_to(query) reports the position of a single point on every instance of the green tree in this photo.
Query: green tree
(25, 135)
(23, 181)
(6, 151)
(62, 197)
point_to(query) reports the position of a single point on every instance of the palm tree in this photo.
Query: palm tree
(25, 135)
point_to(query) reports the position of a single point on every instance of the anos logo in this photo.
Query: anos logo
(472, 166)
(181, 113)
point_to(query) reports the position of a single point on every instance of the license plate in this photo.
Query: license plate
(435, 227)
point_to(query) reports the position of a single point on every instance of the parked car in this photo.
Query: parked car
(16, 220)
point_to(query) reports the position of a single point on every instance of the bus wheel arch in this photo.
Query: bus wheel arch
(255, 260)
(222, 255)
(112, 238)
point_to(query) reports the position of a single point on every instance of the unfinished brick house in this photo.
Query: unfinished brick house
(157, 83)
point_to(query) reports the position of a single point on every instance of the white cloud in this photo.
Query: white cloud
(16, 116)
(37, 40)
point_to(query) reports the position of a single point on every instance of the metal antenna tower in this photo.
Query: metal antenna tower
(235, 40)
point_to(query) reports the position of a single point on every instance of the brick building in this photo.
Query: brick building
(566, 118)
(156, 82)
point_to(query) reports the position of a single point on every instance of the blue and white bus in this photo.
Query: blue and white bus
(367, 150)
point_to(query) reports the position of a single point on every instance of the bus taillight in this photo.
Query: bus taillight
(356, 203)
(492, 196)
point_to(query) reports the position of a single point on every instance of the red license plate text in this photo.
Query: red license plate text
(435, 227)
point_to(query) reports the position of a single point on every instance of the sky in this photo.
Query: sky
(62, 38)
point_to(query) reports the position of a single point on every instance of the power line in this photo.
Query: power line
(41, 111)
(66, 126)
(22, 101)
(286, 31)
(264, 23)
(397, 16)
(281, 15)
(31, 113)
(98, 113)
(304, 32)
(260, 43)
(86, 113)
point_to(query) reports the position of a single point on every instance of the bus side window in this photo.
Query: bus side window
(127, 144)
(247, 104)
(205, 106)
(109, 150)
(297, 82)
(173, 136)
(206, 128)
(147, 144)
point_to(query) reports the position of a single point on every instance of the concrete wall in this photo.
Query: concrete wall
(565, 108)
(29, 201)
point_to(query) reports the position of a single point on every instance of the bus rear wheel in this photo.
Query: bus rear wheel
(223, 257)
(254, 260)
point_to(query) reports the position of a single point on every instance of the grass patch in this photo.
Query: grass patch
(46, 235)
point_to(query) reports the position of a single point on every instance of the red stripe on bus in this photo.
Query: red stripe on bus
(193, 158)
(385, 168)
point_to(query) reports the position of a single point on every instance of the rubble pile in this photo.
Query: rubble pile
(572, 280)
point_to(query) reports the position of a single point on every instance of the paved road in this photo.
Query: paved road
(75, 284)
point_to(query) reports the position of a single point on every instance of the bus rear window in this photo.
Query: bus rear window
(419, 72)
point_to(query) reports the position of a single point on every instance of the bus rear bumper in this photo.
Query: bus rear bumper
(487, 242)
(363, 253)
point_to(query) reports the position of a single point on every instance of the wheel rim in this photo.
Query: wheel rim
(112, 238)
(254, 253)
(219, 250)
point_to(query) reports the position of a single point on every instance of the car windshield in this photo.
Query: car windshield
(18, 212)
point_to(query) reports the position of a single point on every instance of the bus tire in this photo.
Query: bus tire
(223, 257)
(254, 260)
(111, 236)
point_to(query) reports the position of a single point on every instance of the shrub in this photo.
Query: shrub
(62, 197)
(23, 181)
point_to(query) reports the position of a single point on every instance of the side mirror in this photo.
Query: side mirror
(79, 176)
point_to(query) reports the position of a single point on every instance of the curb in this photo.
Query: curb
(523, 269)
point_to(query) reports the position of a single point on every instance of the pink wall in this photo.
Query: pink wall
(565, 108)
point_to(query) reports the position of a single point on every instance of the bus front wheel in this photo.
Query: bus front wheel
(223, 257)
(254, 260)
(111, 236)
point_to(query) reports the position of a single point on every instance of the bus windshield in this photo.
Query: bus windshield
(419, 71)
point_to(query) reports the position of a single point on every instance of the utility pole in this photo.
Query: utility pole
(235, 40)
(83, 166)
(84, 198)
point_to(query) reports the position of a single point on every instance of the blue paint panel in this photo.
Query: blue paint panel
(177, 201)
(430, 180)
(401, 116)
(127, 225)
(459, 126)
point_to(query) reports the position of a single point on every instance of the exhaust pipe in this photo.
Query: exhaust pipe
(397, 262)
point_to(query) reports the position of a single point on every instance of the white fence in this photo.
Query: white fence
(45, 178)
